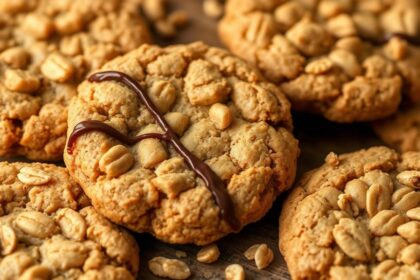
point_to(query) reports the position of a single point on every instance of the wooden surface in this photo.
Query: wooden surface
(317, 138)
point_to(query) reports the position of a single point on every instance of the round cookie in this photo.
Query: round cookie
(402, 130)
(357, 216)
(350, 60)
(46, 48)
(49, 231)
(234, 127)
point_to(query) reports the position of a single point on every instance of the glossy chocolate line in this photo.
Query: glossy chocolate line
(211, 180)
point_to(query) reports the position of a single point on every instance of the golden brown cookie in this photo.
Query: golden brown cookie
(355, 217)
(46, 48)
(215, 161)
(346, 60)
(49, 231)
(401, 131)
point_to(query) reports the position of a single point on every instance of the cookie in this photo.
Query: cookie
(46, 48)
(357, 216)
(48, 230)
(347, 60)
(186, 142)
(401, 131)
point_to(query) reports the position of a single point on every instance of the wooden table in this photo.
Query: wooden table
(317, 138)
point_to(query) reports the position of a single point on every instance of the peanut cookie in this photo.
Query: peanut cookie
(49, 231)
(355, 217)
(46, 48)
(402, 130)
(348, 60)
(186, 142)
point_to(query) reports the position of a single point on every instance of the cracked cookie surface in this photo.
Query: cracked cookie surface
(358, 215)
(322, 55)
(223, 111)
(48, 230)
(46, 48)
(401, 131)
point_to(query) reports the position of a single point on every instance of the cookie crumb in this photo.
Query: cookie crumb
(332, 159)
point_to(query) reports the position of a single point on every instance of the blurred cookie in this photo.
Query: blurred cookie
(357, 216)
(49, 231)
(188, 143)
(46, 48)
(346, 60)
(401, 131)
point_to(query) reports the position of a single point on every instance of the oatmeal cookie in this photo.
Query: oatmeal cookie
(348, 60)
(48, 230)
(402, 130)
(186, 142)
(46, 48)
(355, 217)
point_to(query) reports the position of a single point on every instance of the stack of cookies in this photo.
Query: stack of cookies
(191, 143)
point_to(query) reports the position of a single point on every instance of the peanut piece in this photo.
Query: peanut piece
(177, 121)
(169, 268)
(396, 49)
(414, 213)
(36, 224)
(174, 183)
(345, 203)
(410, 231)
(410, 255)
(346, 61)
(18, 80)
(357, 190)
(69, 23)
(353, 238)
(208, 254)
(405, 198)
(36, 272)
(151, 153)
(410, 178)
(234, 272)
(212, 8)
(377, 198)
(154, 9)
(250, 252)
(33, 177)
(116, 161)
(8, 240)
(220, 115)
(342, 26)
(319, 66)
(57, 68)
(386, 222)
(38, 26)
(16, 57)
(263, 256)
(72, 224)
(165, 28)
(163, 95)
(178, 18)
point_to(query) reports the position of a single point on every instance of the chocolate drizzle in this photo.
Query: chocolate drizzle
(212, 181)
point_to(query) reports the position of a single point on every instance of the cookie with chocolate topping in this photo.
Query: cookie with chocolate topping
(186, 142)
(46, 48)
(48, 230)
(355, 217)
(347, 60)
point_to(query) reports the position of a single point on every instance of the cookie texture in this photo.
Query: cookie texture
(46, 48)
(48, 230)
(401, 131)
(335, 58)
(355, 217)
(223, 111)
